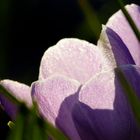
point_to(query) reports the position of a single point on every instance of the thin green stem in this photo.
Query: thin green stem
(8, 95)
(91, 17)
(129, 19)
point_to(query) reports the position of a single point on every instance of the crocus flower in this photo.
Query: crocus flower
(78, 90)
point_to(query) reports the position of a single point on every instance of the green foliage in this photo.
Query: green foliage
(8, 95)
(129, 19)
(91, 18)
(28, 125)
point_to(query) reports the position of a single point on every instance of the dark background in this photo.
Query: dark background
(29, 27)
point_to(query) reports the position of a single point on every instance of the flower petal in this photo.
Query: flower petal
(55, 97)
(74, 58)
(9, 107)
(121, 26)
(113, 49)
(18, 90)
(103, 112)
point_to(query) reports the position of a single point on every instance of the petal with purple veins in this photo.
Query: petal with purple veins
(55, 98)
(103, 111)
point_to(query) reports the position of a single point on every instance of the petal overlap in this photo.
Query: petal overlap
(56, 97)
(120, 25)
(18, 90)
(104, 112)
(75, 58)
(113, 49)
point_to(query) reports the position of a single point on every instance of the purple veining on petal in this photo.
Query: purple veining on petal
(74, 58)
(103, 112)
(50, 95)
(120, 25)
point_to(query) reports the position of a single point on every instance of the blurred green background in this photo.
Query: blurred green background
(29, 27)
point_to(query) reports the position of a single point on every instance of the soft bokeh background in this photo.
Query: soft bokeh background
(29, 27)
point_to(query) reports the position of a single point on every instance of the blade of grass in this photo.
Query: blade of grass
(53, 132)
(7, 94)
(27, 125)
(91, 17)
(48, 128)
(129, 19)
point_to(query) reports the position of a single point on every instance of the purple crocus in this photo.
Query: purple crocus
(78, 90)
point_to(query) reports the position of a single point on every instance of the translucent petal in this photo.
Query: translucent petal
(73, 58)
(103, 112)
(120, 25)
(55, 97)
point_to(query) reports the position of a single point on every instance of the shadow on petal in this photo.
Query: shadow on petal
(105, 123)
(64, 119)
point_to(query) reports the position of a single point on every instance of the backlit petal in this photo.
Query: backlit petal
(55, 97)
(103, 112)
(18, 90)
(73, 58)
(113, 49)
(120, 25)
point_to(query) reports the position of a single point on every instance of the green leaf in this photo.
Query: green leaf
(55, 133)
(47, 128)
(28, 125)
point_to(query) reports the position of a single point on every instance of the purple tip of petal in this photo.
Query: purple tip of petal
(120, 25)
(103, 112)
(73, 58)
(55, 98)
(18, 90)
